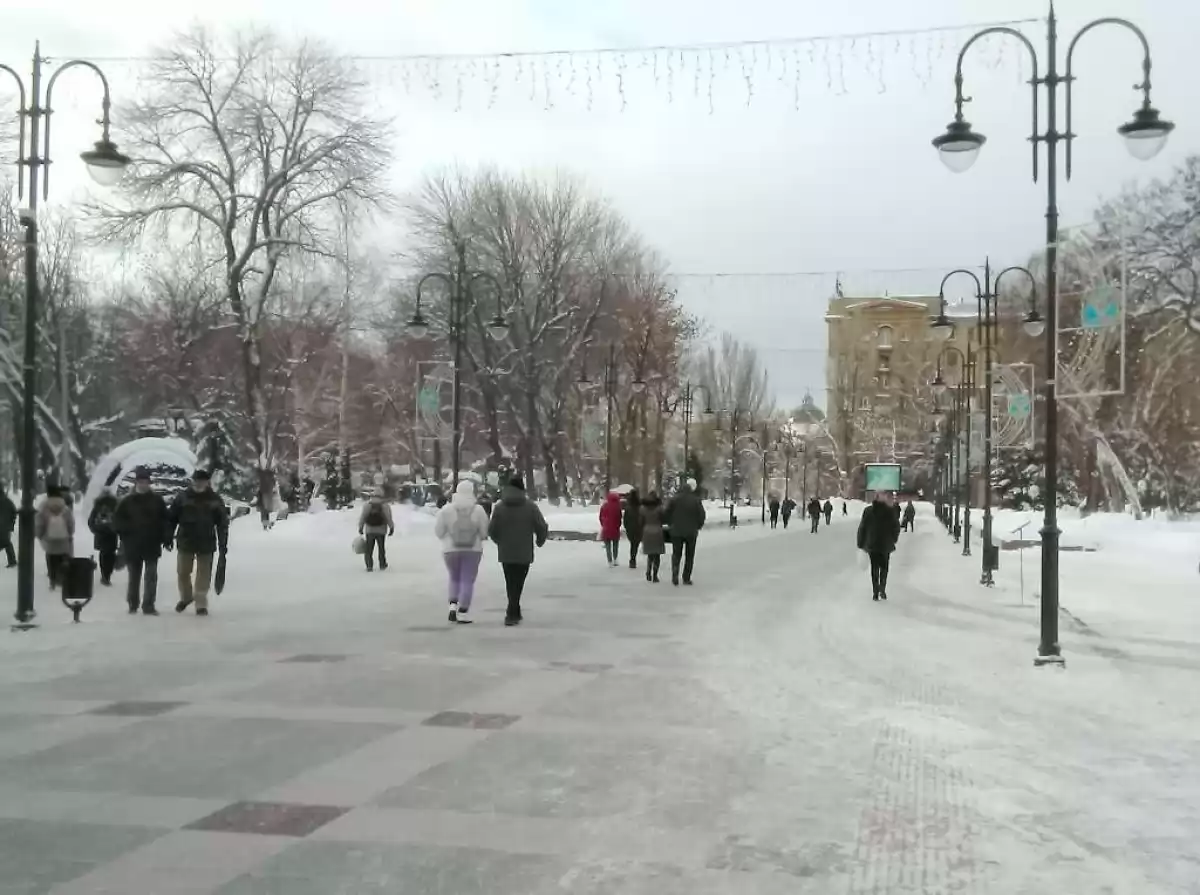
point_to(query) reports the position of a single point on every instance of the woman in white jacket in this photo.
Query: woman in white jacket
(462, 527)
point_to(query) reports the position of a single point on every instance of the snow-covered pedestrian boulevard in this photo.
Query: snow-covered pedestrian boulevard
(769, 730)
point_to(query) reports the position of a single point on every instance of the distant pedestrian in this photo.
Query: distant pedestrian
(610, 527)
(773, 511)
(198, 525)
(631, 518)
(814, 514)
(789, 506)
(101, 522)
(908, 520)
(462, 527)
(896, 513)
(845, 511)
(8, 524)
(376, 525)
(654, 542)
(828, 508)
(141, 522)
(877, 535)
(684, 516)
(517, 525)
(485, 501)
(54, 526)
(266, 504)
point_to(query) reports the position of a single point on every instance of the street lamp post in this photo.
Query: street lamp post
(1145, 135)
(461, 286)
(106, 165)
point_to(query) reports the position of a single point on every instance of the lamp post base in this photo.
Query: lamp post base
(1049, 661)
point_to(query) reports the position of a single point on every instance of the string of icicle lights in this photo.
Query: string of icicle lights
(712, 75)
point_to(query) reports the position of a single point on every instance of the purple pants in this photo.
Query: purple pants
(463, 567)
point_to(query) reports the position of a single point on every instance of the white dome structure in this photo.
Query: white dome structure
(172, 456)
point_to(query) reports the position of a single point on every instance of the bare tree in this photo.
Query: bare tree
(246, 146)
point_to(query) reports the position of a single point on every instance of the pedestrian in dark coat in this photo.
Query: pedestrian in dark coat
(141, 522)
(908, 520)
(877, 535)
(102, 524)
(828, 508)
(787, 509)
(814, 514)
(516, 526)
(773, 510)
(654, 541)
(610, 527)
(198, 524)
(684, 516)
(631, 518)
(8, 523)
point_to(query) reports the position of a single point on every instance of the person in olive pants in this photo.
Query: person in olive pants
(199, 524)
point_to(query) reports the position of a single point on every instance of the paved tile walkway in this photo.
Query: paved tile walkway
(767, 731)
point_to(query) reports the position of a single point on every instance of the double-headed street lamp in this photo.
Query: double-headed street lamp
(638, 384)
(461, 286)
(963, 391)
(106, 165)
(686, 399)
(1145, 135)
(735, 418)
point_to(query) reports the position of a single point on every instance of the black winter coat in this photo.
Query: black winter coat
(517, 524)
(879, 529)
(104, 536)
(814, 507)
(631, 516)
(141, 522)
(199, 522)
(8, 517)
(684, 515)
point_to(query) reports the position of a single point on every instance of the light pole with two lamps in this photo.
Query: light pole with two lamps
(106, 165)
(1145, 135)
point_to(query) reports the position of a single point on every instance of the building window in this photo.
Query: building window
(864, 404)
(884, 338)
(885, 380)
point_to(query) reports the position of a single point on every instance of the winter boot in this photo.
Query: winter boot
(182, 605)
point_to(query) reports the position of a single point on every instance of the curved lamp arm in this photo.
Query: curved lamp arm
(417, 317)
(21, 115)
(942, 291)
(104, 122)
(1070, 79)
(1034, 81)
(1032, 284)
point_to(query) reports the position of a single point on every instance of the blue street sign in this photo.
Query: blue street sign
(1101, 308)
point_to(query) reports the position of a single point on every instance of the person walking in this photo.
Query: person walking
(375, 524)
(845, 510)
(610, 527)
(516, 526)
(266, 504)
(787, 509)
(828, 508)
(877, 535)
(8, 524)
(462, 527)
(773, 510)
(198, 524)
(909, 519)
(54, 526)
(631, 519)
(684, 516)
(814, 513)
(104, 534)
(654, 541)
(141, 523)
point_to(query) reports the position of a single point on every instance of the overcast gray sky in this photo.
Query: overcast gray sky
(833, 174)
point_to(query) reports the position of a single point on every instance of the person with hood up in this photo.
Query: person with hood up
(54, 526)
(787, 509)
(517, 525)
(610, 527)
(632, 519)
(198, 523)
(102, 523)
(375, 524)
(8, 524)
(684, 516)
(141, 522)
(828, 508)
(877, 535)
(462, 527)
(908, 520)
(654, 540)
(814, 513)
(773, 511)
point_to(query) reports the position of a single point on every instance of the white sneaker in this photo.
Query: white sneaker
(462, 617)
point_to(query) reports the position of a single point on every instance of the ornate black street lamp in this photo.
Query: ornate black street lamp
(106, 165)
(1145, 135)
(461, 286)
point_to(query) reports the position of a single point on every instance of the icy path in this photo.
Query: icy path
(770, 730)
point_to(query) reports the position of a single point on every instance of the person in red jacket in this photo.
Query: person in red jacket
(610, 526)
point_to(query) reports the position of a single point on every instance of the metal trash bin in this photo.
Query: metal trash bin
(78, 584)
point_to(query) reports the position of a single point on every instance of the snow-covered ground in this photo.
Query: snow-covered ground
(1133, 578)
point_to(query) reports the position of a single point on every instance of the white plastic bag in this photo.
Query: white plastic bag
(359, 545)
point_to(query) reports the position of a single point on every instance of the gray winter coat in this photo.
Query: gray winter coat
(51, 507)
(654, 542)
(386, 528)
(516, 525)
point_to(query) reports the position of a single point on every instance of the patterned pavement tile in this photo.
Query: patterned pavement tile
(268, 818)
(315, 658)
(136, 709)
(472, 720)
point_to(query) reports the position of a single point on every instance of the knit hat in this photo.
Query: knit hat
(466, 487)
(201, 475)
(692, 484)
(141, 474)
(517, 482)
